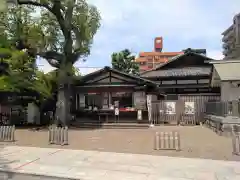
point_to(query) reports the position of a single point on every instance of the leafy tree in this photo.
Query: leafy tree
(18, 69)
(62, 33)
(125, 62)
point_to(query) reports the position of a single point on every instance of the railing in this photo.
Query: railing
(7, 133)
(58, 135)
(223, 108)
(167, 141)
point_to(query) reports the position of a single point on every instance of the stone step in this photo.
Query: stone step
(112, 125)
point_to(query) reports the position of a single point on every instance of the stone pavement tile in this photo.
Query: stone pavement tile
(34, 167)
(119, 175)
(237, 170)
(86, 173)
(96, 165)
(134, 169)
(177, 162)
(168, 172)
(117, 167)
(16, 164)
(57, 159)
(64, 153)
(229, 177)
(43, 175)
(119, 158)
(201, 175)
(155, 177)
(81, 157)
(28, 154)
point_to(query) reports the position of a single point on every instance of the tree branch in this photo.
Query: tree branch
(34, 3)
(51, 55)
(53, 58)
(55, 10)
(69, 13)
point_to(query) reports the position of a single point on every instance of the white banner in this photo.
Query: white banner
(116, 112)
(149, 106)
(170, 107)
(189, 108)
(139, 114)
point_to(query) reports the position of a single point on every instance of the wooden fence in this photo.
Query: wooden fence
(184, 110)
(7, 133)
(58, 135)
(167, 141)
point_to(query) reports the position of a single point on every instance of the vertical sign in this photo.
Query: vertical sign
(139, 114)
(140, 100)
(149, 106)
(116, 112)
(82, 100)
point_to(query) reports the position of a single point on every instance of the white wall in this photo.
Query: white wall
(229, 92)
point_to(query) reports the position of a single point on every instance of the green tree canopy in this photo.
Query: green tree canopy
(125, 62)
(61, 31)
(18, 69)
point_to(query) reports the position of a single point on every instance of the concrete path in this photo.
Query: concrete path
(93, 165)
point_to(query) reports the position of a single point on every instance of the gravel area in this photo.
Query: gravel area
(196, 141)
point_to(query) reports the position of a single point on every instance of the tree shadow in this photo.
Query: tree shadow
(6, 172)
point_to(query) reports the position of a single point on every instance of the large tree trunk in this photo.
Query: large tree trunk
(62, 108)
(63, 99)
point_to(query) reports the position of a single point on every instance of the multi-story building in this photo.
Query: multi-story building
(231, 39)
(150, 60)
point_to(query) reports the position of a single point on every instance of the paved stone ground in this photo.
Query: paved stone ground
(196, 142)
(18, 176)
(91, 165)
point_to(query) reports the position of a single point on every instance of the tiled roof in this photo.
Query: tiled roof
(106, 68)
(175, 58)
(228, 71)
(179, 72)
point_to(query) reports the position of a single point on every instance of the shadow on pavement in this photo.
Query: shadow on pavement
(5, 169)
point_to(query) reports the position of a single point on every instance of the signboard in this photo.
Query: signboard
(116, 103)
(139, 114)
(170, 107)
(149, 99)
(149, 106)
(189, 108)
(140, 100)
(82, 100)
(116, 112)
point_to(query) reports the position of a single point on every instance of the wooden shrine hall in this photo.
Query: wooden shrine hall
(99, 94)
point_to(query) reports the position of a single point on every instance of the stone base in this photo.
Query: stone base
(223, 125)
